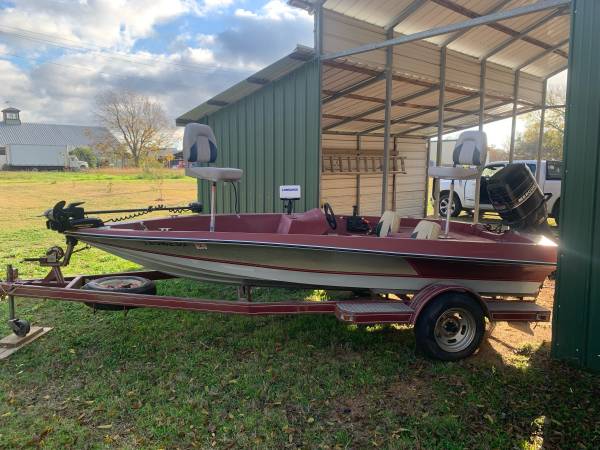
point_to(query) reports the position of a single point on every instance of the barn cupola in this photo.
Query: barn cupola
(10, 116)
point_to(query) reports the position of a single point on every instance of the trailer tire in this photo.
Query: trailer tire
(127, 284)
(450, 327)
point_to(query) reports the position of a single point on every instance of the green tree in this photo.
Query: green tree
(526, 142)
(85, 154)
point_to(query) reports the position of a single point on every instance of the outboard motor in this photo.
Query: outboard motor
(516, 196)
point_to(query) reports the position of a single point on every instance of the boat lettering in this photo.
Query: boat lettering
(165, 244)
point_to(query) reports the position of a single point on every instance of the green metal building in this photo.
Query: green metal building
(576, 330)
(254, 121)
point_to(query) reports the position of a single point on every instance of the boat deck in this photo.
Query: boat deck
(310, 223)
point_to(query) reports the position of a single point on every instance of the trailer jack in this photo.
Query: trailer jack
(23, 332)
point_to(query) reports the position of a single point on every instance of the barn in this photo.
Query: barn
(43, 146)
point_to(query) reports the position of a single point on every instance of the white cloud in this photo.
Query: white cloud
(209, 6)
(206, 39)
(275, 10)
(106, 23)
(193, 68)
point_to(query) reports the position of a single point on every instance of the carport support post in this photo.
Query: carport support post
(440, 129)
(540, 144)
(389, 59)
(513, 129)
(426, 200)
(482, 75)
(575, 331)
(319, 50)
(358, 174)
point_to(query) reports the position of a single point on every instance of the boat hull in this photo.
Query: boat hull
(264, 264)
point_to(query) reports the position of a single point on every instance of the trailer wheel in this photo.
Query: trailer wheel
(128, 284)
(450, 327)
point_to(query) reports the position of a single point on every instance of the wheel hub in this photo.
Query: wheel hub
(455, 330)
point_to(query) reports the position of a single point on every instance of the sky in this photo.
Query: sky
(57, 55)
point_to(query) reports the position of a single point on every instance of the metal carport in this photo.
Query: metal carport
(396, 73)
(451, 65)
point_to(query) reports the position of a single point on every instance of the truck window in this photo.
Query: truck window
(553, 170)
(532, 168)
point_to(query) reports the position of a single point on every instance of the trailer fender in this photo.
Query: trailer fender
(431, 292)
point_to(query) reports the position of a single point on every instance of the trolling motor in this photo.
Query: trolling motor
(62, 218)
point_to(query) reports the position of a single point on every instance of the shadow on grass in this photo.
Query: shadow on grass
(178, 379)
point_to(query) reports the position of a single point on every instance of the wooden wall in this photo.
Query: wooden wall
(340, 190)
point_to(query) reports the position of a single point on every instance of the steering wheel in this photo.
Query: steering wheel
(329, 216)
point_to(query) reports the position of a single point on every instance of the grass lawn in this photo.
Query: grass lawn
(159, 379)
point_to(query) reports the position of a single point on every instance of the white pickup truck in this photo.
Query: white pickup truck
(464, 191)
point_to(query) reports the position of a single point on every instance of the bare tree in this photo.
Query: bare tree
(139, 122)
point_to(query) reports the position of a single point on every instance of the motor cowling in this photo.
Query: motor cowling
(517, 198)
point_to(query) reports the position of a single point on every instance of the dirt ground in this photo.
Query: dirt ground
(506, 340)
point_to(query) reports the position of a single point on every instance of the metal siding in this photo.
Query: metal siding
(48, 134)
(273, 136)
(577, 305)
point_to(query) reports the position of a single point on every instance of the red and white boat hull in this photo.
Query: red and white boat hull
(266, 263)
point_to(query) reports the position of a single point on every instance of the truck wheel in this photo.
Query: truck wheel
(450, 327)
(128, 284)
(456, 205)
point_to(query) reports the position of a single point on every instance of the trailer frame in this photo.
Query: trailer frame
(376, 309)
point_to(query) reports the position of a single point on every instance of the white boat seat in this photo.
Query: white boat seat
(215, 173)
(200, 147)
(454, 173)
(389, 223)
(426, 230)
(468, 157)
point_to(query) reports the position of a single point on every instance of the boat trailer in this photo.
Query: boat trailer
(377, 309)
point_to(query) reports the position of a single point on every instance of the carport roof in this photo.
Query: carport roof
(510, 43)
(353, 95)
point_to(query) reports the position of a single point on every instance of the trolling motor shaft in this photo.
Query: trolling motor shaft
(63, 217)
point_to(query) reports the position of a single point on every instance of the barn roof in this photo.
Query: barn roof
(49, 134)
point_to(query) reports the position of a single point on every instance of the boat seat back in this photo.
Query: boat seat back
(389, 223)
(200, 146)
(470, 149)
(426, 230)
